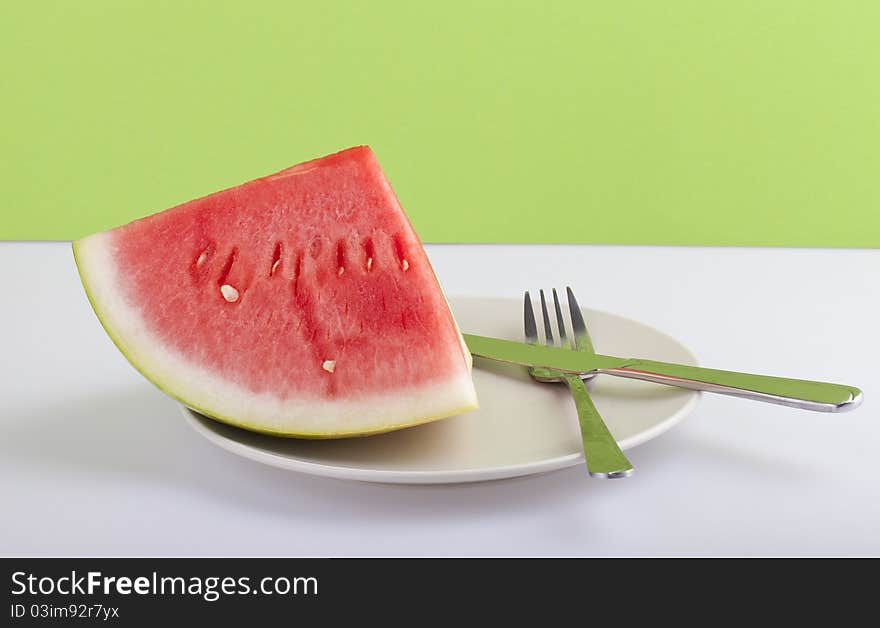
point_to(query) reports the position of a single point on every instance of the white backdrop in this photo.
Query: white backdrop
(95, 461)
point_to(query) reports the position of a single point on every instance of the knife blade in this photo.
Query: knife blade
(539, 356)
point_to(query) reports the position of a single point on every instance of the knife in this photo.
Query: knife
(795, 393)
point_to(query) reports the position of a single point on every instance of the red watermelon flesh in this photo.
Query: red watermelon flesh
(301, 303)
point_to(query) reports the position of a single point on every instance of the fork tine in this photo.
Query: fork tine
(560, 322)
(529, 319)
(581, 335)
(548, 331)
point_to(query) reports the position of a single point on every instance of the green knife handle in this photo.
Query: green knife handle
(604, 457)
(796, 393)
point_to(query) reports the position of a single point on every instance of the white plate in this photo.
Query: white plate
(522, 427)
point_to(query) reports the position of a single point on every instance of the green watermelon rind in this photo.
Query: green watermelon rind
(155, 376)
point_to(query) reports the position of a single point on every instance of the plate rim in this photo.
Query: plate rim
(448, 476)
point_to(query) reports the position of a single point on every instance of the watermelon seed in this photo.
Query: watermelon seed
(227, 267)
(276, 258)
(368, 250)
(229, 293)
(297, 268)
(340, 257)
(201, 259)
(401, 253)
(329, 365)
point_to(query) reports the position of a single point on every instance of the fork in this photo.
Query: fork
(602, 453)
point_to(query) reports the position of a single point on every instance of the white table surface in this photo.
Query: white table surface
(95, 461)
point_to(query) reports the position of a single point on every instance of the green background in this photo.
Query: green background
(684, 121)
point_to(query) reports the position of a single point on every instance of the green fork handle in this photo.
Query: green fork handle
(603, 455)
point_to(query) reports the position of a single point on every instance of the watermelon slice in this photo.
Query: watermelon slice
(298, 304)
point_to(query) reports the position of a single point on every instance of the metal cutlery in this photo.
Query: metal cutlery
(796, 393)
(601, 451)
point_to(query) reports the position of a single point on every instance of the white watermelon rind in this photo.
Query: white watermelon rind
(217, 398)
